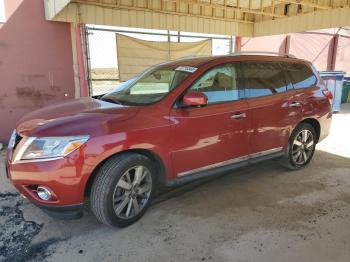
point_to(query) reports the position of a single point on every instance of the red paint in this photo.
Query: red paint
(328, 94)
(195, 99)
(36, 62)
(183, 138)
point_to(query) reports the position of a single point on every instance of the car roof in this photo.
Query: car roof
(190, 61)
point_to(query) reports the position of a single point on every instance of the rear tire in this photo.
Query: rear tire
(301, 147)
(123, 189)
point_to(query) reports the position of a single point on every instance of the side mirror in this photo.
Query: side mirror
(195, 99)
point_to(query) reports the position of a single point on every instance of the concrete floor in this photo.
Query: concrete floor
(260, 213)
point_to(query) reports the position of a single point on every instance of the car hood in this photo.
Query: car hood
(84, 116)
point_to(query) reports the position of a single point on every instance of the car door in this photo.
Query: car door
(272, 109)
(204, 137)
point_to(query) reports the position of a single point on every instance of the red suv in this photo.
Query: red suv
(175, 122)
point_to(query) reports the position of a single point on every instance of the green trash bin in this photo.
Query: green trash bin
(345, 93)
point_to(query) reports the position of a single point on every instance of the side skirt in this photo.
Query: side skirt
(219, 169)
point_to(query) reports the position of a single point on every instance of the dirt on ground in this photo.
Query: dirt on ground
(260, 213)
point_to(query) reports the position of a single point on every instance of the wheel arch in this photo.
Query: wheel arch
(315, 124)
(155, 158)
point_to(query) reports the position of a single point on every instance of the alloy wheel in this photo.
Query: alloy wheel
(303, 146)
(132, 192)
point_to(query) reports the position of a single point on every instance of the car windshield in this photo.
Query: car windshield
(149, 87)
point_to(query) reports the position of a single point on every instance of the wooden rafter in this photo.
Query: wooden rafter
(305, 3)
(229, 7)
(226, 7)
(162, 10)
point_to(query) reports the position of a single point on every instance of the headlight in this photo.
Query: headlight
(49, 148)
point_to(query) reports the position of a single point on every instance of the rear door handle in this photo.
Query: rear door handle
(238, 116)
(295, 104)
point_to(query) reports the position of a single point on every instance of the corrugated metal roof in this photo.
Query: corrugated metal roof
(228, 17)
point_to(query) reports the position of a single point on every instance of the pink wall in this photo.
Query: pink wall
(312, 47)
(315, 47)
(268, 44)
(36, 62)
(343, 55)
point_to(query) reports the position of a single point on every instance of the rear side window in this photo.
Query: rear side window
(263, 79)
(220, 84)
(300, 75)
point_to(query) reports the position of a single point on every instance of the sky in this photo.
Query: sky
(103, 50)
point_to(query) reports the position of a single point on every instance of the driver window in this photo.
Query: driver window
(219, 84)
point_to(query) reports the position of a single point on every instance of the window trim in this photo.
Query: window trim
(177, 104)
(288, 80)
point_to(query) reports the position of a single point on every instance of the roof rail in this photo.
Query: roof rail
(262, 53)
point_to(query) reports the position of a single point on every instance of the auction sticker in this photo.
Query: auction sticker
(189, 69)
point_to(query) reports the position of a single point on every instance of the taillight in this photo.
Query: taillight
(328, 94)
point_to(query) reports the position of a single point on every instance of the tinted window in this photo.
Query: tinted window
(219, 84)
(300, 75)
(263, 79)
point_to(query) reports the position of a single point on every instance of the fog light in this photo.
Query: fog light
(43, 193)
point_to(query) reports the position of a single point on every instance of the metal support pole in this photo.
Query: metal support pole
(169, 40)
(332, 53)
(87, 56)
(238, 44)
(287, 46)
(231, 44)
(169, 36)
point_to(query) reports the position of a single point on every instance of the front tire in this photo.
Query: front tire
(301, 147)
(123, 189)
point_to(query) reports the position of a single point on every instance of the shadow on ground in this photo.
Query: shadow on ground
(262, 196)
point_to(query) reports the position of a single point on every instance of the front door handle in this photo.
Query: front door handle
(238, 116)
(295, 104)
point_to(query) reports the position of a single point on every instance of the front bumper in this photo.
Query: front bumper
(65, 178)
(63, 212)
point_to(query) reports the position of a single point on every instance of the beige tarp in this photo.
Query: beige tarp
(136, 55)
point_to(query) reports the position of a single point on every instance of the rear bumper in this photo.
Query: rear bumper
(62, 212)
(325, 126)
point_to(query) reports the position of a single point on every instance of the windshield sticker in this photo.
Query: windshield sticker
(189, 69)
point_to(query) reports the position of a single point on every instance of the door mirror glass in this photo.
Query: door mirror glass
(195, 99)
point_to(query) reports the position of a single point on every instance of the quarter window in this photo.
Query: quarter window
(263, 79)
(300, 75)
(219, 84)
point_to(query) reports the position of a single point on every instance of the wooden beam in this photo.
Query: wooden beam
(124, 7)
(228, 7)
(273, 7)
(305, 3)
